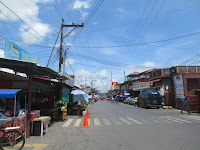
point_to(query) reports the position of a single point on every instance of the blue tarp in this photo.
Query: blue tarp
(10, 93)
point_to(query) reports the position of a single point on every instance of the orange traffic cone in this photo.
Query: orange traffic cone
(88, 116)
(85, 125)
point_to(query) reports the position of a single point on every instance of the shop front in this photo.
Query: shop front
(13, 108)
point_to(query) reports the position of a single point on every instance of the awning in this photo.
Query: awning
(10, 93)
(154, 81)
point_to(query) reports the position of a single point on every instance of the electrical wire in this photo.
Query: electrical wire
(24, 22)
(39, 14)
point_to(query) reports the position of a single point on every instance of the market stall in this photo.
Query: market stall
(13, 108)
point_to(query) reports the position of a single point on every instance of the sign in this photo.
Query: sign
(83, 86)
(114, 83)
(116, 87)
(70, 80)
(141, 86)
(13, 51)
(178, 85)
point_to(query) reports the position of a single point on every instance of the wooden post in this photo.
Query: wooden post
(29, 104)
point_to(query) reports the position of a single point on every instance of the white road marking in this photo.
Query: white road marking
(162, 120)
(67, 123)
(138, 122)
(77, 123)
(171, 119)
(125, 121)
(116, 122)
(180, 119)
(157, 121)
(192, 117)
(106, 122)
(96, 122)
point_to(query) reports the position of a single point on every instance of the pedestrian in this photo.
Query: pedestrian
(113, 99)
(116, 99)
(61, 107)
(185, 101)
(136, 101)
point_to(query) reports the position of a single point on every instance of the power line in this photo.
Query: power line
(24, 22)
(145, 43)
(39, 14)
(56, 9)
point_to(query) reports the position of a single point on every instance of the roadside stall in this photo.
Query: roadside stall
(80, 102)
(13, 108)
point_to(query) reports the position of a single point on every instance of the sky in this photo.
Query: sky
(118, 37)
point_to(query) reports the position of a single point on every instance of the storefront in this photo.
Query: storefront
(13, 108)
(41, 84)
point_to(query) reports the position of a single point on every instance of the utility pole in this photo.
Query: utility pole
(111, 80)
(62, 37)
(61, 47)
(124, 76)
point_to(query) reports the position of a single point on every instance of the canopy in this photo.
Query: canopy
(80, 97)
(10, 93)
(75, 92)
(126, 94)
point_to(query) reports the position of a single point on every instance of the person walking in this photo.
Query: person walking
(116, 99)
(185, 101)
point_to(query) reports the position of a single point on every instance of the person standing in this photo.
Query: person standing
(185, 101)
(136, 101)
(61, 107)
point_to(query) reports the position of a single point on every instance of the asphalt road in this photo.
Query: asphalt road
(122, 127)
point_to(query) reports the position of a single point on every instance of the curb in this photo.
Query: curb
(167, 107)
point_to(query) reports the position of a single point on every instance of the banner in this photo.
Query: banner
(141, 86)
(13, 51)
(178, 85)
(114, 83)
(116, 87)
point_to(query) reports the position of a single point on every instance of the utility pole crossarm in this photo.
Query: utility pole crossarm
(73, 25)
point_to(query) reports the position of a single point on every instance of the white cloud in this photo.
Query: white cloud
(108, 51)
(81, 4)
(69, 61)
(1, 53)
(95, 23)
(41, 31)
(149, 64)
(121, 10)
(29, 16)
(100, 79)
(101, 74)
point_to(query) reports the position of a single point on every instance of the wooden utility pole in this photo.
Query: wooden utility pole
(61, 47)
(61, 40)
(111, 80)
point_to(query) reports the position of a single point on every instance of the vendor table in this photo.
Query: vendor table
(79, 109)
(45, 121)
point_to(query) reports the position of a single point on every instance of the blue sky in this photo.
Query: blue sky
(92, 51)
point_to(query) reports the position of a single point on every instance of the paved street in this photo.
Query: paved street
(123, 127)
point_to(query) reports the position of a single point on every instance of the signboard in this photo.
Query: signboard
(141, 86)
(114, 83)
(178, 85)
(83, 86)
(70, 80)
(65, 94)
(116, 87)
(13, 51)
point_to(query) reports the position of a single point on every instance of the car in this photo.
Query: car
(150, 99)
